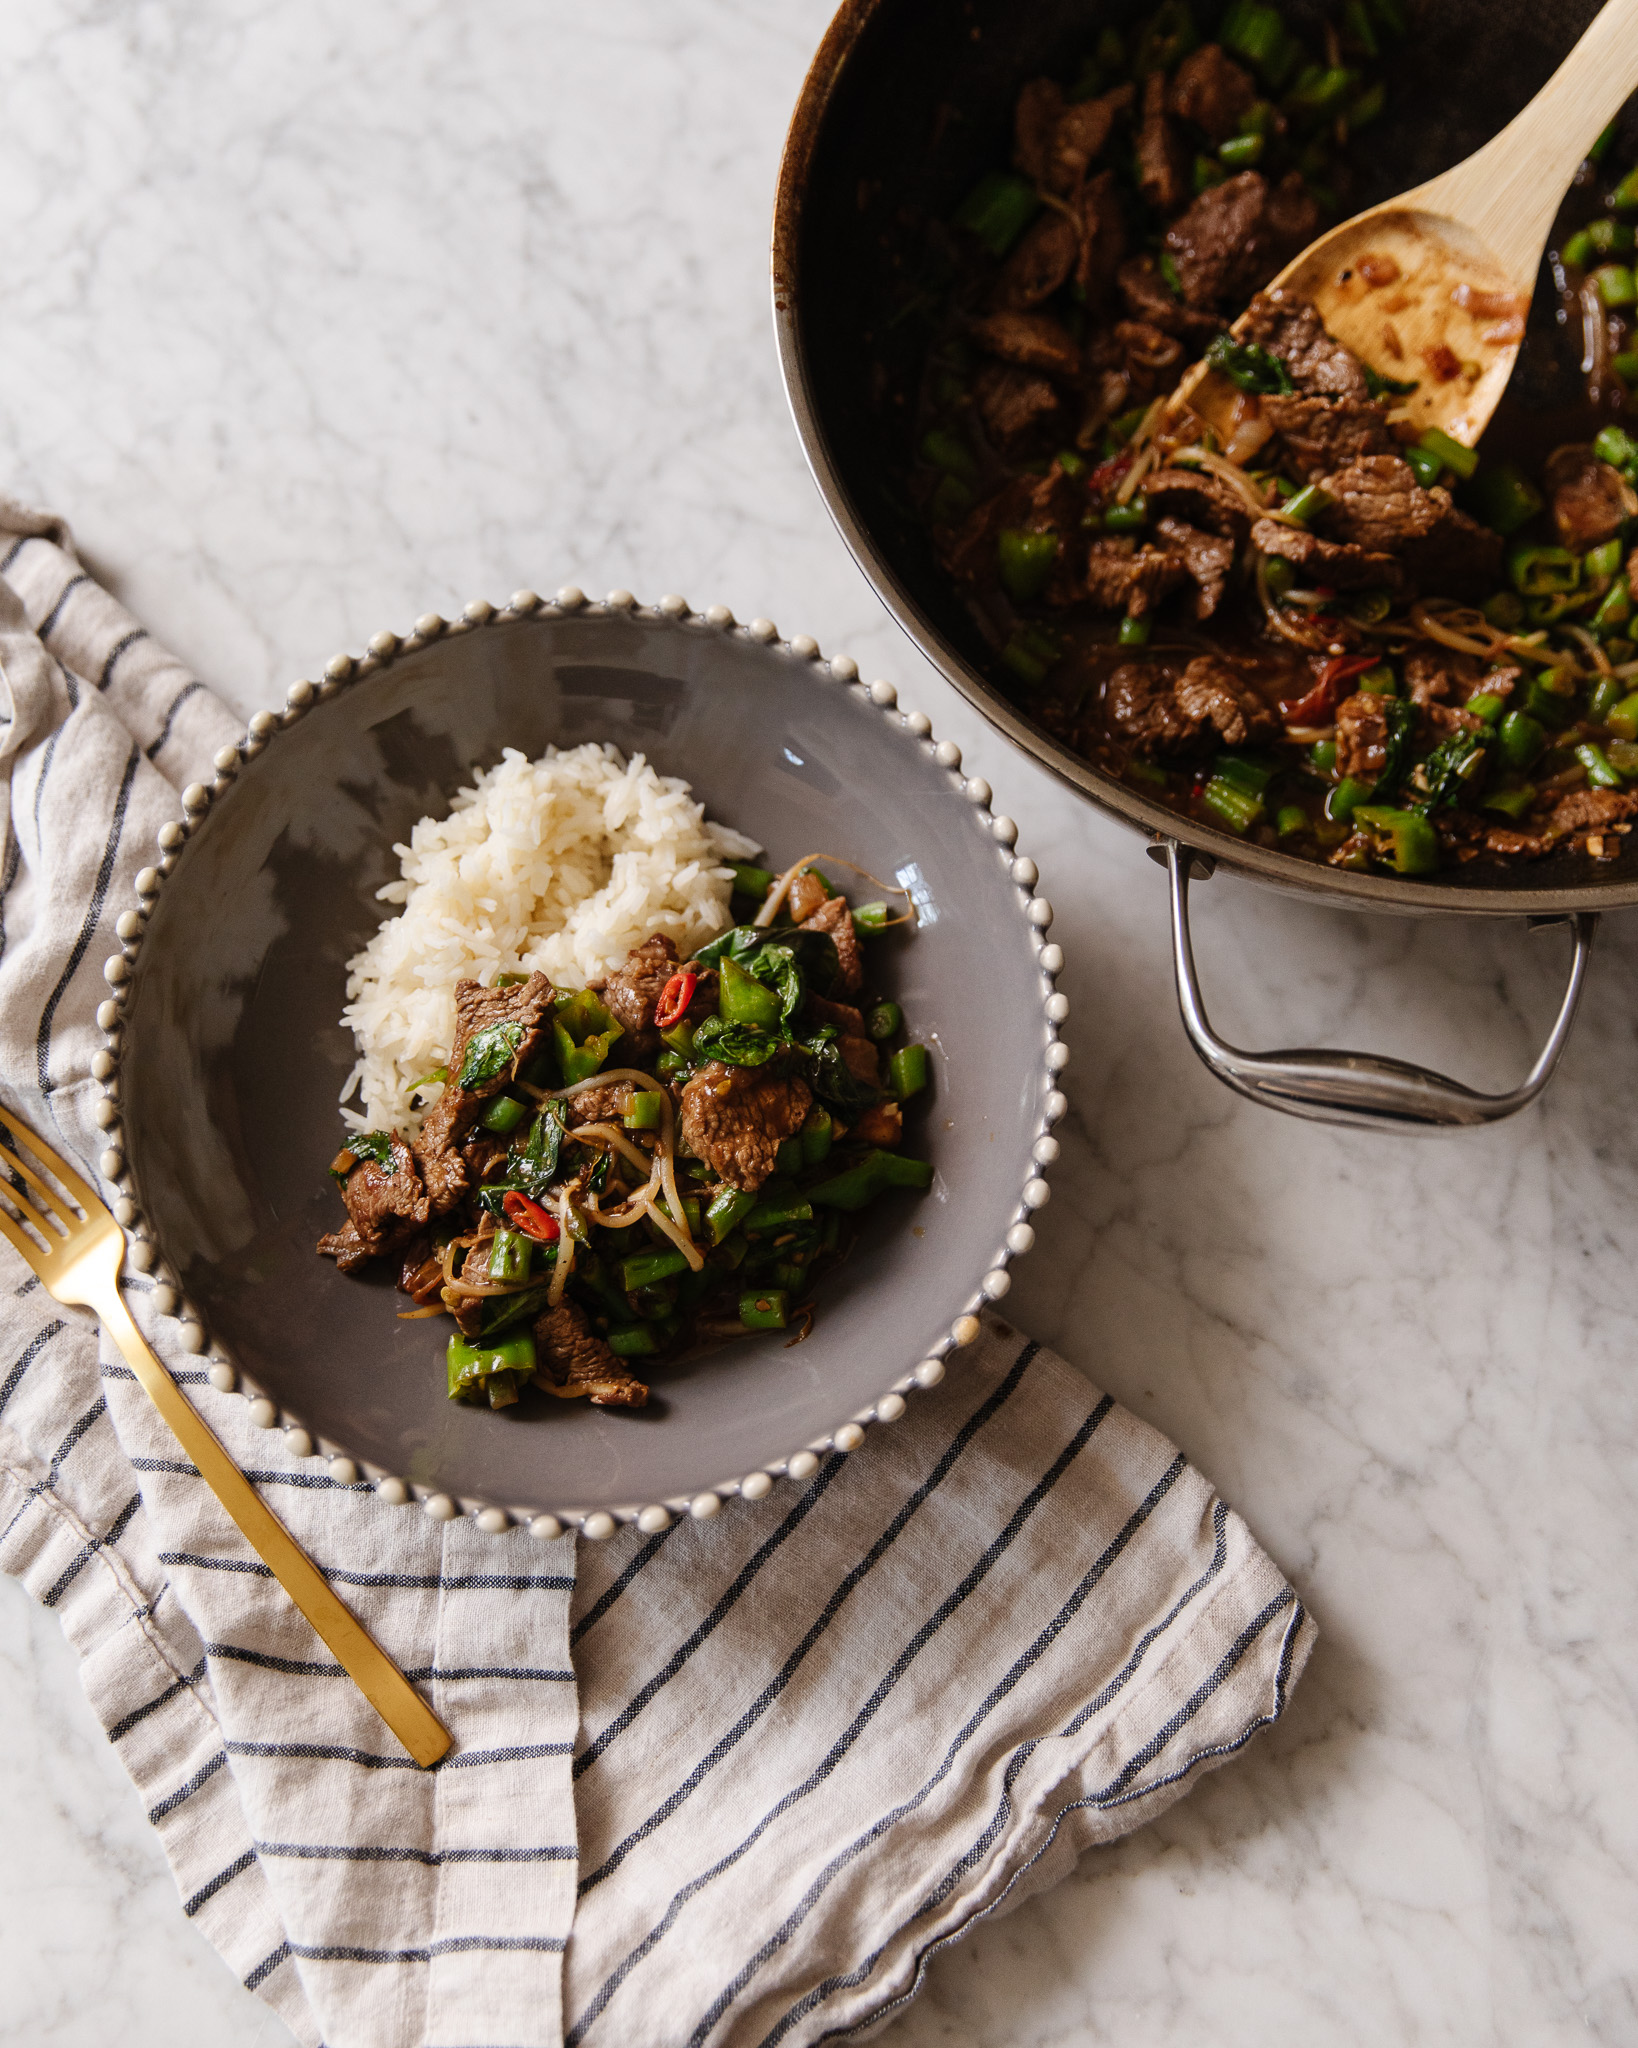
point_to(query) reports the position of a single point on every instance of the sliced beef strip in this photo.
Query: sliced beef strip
(1121, 577)
(1149, 297)
(526, 1003)
(631, 992)
(736, 1119)
(346, 1247)
(1019, 411)
(437, 1153)
(1362, 736)
(1041, 263)
(1237, 234)
(1379, 504)
(1163, 161)
(572, 1361)
(861, 1059)
(1161, 715)
(847, 1020)
(1212, 91)
(481, 1153)
(1208, 557)
(1198, 499)
(1031, 341)
(1035, 118)
(1139, 702)
(1435, 675)
(1209, 692)
(1584, 808)
(1319, 365)
(1325, 561)
(1081, 136)
(836, 919)
(1317, 435)
(386, 1205)
(597, 1105)
(1590, 500)
(1103, 238)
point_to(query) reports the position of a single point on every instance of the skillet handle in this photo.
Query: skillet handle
(1353, 1087)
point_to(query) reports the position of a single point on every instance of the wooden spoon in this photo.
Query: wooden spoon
(1435, 285)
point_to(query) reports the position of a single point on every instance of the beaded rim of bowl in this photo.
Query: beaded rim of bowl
(144, 1256)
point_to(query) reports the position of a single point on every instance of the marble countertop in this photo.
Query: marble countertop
(321, 318)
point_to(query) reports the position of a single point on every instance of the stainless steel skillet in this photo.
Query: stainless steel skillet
(905, 102)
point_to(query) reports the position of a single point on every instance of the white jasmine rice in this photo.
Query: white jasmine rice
(562, 864)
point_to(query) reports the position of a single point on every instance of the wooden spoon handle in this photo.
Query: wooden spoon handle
(1510, 191)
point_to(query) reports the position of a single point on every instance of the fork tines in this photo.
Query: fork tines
(48, 1211)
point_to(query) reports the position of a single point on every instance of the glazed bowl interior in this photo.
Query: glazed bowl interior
(906, 104)
(233, 1059)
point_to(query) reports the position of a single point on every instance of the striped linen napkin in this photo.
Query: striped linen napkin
(731, 1784)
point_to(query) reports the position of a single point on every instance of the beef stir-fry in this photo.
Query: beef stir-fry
(616, 1176)
(1330, 632)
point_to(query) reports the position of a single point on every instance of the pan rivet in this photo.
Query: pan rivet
(343, 1471)
(883, 694)
(599, 1527)
(1020, 1239)
(755, 1484)
(441, 1508)
(802, 1465)
(222, 1377)
(1036, 1194)
(393, 1491)
(844, 668)
(848, 1437)
(929, 1372)
(704, 1505)
(889, 1408)
(298, 1443)
(262, 1414)
(652, 1520)
(545, 1528)
(494, 1521)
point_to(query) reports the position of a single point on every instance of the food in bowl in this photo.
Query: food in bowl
(606, 1169)
(1333, 634)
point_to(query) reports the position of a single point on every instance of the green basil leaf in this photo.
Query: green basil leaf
(735, 1045)
(376, 1145)
(490, 1052)
(775, 967)
(830, 1076)
(532, 1165)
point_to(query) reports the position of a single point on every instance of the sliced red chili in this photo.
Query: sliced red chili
(1329, 691)
(675, 998)
(530, 1217)
(1108, 473)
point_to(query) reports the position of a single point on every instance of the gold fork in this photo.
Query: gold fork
(78, 1258)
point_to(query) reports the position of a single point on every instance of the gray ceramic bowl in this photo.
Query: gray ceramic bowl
(231, 1058)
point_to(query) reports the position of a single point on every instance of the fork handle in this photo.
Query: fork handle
(377, 1677)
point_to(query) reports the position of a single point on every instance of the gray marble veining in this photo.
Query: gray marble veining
(318, 319)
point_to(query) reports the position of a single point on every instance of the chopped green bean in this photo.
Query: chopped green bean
(871, 917)
(951, 501)
(1378, 682)
(763, 1309)
(818, 1134)
(1607, 694)
(1602, 561)
(1134, 632)
(1624, 718)
(1625, 196)
(643, 1112)
(1616, 446)
(1207, 173)
(1601, 773)
(1324, 756)
(1450, 452)
(1241, 152)
(1341, 804)
(1484, 705)
(789, 1158)
(751, 881)
(1623, 755)
(885, 1021)
(778, 1205)
(1026, 562)
(907, 1071)
(504, 1114)
(1521, 739)
(727, 1210)
(1544, 572)
(1290, 818)
(1616, 285)
(1131, 517)
(680, 1037)
(1614, 613)
(645, 1269)
(1510, 803)
(1307, 504)
(1237, 808)
(950, 453)
(633, 1340)
(509, 1257)
(1425, 466)
(1550, 698)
